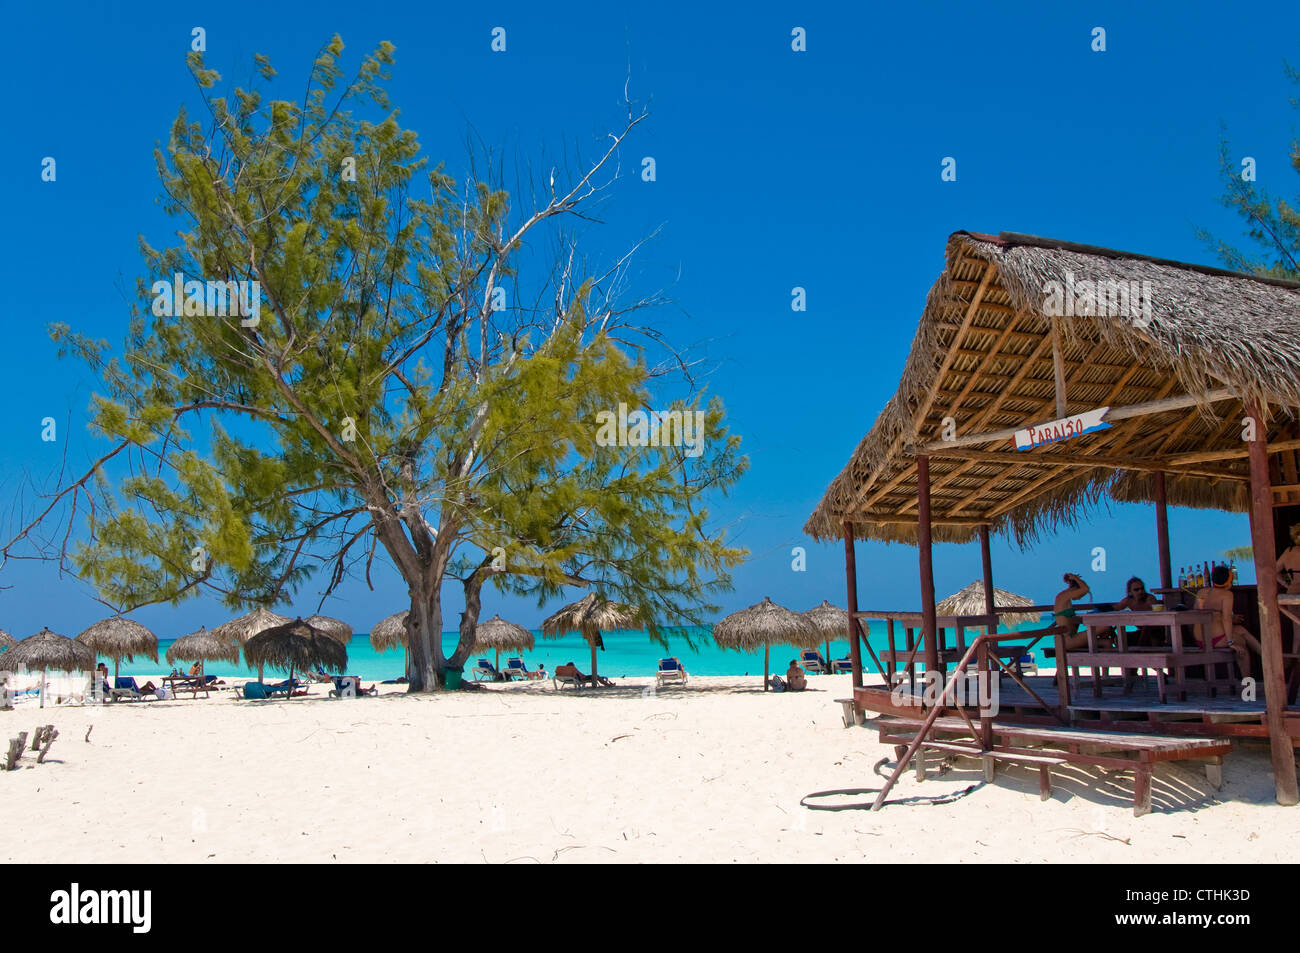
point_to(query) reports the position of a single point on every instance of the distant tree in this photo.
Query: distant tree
(401, 388)
(1272, 224)
(1244, 553)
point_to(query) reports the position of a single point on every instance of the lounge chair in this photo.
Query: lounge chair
(319, 674)
(559, 681)
(252, 691)
(843, 666)
(484, 671)
(357, 690)
(515, 668)
(670, 670)
(125, 689)
(295, 689)
(813, 662)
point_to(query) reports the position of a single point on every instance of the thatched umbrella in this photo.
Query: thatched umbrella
(296, 646)
(830, 621)
(203, 646)
(765, 624)
(118, 638)
(247, 626)
(970, 601)
(335, 628)
(6, 640)
(497, 633)
(48, 650)
(588, 616)
(389, 633)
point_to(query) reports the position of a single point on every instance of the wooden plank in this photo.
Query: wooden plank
(1058, 367)
(1126, 412)
(851, 584)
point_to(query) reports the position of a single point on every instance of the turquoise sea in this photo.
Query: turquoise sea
(626, 654)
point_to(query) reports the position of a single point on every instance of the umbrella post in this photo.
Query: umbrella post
(115, 664)
(766, 651)
(594, 683)
(42, 688)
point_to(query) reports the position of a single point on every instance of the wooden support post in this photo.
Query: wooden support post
(851, 584)
(986, 563)
(929, 628)
(1058, 366)
(1264, 545)
(1162, 532)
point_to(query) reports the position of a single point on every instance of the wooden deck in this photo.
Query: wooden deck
(1140, 710)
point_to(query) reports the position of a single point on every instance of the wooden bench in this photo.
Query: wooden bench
(1045, 747)
(1157, 660)
(851, 714)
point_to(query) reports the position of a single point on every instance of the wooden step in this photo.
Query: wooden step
(1026, 759)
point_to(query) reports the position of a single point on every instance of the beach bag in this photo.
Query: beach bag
(162, 693)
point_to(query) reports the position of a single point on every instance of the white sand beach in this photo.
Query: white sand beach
(710, 772)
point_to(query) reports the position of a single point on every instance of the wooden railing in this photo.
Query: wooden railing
(978, 649)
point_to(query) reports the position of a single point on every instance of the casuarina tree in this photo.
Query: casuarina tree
(348, 355)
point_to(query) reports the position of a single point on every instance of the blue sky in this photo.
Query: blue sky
(775, 169)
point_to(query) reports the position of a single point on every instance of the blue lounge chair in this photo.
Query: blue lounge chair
(253, 691)
(515, 668)
(670, 670)
(844, 666)
(125, 689)
(484, 671)
(357, 690)
(813, 662)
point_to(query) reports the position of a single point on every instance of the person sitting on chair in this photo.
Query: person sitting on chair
(1225, 630)
(1288, 564)
(1137, 599)
(1066, 616)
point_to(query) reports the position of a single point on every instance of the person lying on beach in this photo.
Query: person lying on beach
(1288, 564)
(1066, 616)
(569, 670)
(795, 677)
(1226, 629)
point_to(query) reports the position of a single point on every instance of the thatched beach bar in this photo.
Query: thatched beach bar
(1045, 376)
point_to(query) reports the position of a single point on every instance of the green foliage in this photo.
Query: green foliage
(1272, 224)
(380, 404)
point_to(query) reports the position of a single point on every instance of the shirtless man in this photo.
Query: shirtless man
(1288, 564)
(1224, 630)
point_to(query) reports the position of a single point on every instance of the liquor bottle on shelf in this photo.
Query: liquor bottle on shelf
(1182, 578)
(1200, 579)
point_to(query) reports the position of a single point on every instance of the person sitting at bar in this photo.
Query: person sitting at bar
(1137, 599)
(1288, 564)
(1225, 630)
(1065, 615)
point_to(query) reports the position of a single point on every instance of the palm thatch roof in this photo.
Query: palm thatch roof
(48, 650)
(389, 633)
(118, 638)
(589, 616)
(334, 628)
(1197, 343)
(497, 633)
(203, 646)
(247, 626)
(970, 601)
(765, 623)
(6, 640)
(830, 620)
(296, 645)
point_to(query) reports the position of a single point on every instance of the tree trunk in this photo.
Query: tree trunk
(425, 640)
(469, 620)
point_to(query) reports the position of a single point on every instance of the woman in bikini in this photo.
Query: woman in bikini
(1067, 616)
(1225, 631)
